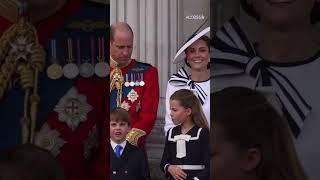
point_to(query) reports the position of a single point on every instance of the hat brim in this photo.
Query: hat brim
(192, 40)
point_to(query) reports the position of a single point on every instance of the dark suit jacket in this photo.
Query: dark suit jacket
(132, 164)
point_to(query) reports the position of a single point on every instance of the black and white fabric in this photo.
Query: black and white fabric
(233, 48)
(182, 79)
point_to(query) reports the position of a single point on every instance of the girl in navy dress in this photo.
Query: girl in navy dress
(186, 152)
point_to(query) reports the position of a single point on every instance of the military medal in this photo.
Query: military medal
(102, 68)
(49, 139)
(54, 71)
(132, 95)
(138, 107)
(142, 82)
(125, 105)
(132, 81)
(127, 84)
(90, 142)
(73, 108)
(86, 69)
(70, 70)
(136, 83)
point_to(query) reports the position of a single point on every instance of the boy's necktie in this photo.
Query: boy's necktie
(118, 150)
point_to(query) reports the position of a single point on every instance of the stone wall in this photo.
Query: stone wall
(155, 144)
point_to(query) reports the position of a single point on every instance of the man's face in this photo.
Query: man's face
(118, 131)
(121, 47)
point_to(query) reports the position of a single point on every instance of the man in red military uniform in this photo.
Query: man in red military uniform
(134, 85)
(71, 113)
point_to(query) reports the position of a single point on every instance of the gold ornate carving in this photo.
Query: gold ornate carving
(22, 55)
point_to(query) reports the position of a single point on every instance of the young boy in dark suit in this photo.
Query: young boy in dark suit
(126, 161)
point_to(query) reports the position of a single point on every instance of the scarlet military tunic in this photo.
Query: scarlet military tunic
(76, 148)
(140, 101)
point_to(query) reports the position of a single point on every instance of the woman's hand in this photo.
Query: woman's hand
(176, 172)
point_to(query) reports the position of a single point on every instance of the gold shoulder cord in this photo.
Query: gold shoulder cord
(116, 80)
(134, 135)
(21, 54)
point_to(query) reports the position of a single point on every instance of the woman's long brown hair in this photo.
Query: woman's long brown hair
(248, 120)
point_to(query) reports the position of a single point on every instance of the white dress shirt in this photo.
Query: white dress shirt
(113, 145)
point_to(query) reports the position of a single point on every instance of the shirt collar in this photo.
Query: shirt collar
(114, 144)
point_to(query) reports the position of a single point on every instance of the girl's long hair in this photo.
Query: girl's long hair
(249, 120)
(188, 99)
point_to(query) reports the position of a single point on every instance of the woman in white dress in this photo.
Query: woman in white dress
(197, 58)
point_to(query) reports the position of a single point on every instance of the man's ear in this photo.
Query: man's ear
(253, 159)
